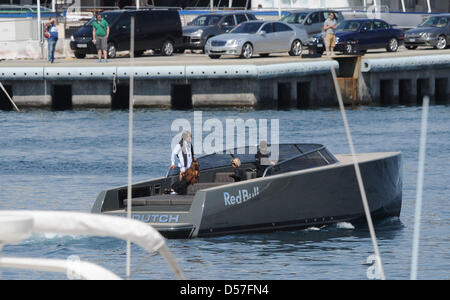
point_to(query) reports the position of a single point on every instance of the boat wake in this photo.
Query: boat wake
(345, 225)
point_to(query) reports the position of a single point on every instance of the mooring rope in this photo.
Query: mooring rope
(10, 99)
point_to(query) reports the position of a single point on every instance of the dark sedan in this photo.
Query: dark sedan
(359, 35)
(434, 32)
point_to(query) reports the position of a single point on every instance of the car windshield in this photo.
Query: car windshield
(209, 20)
(247, 27)
(109, 17)
(435, 22)
(294, 18)
(348, 26)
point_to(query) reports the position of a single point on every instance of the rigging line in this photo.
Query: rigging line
(130, 143)
(359, 177)
(419, 189)
(9, 97)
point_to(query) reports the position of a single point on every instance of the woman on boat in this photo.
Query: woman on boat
(239, 174)
(189, 177)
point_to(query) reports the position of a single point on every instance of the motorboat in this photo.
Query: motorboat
(307, 186)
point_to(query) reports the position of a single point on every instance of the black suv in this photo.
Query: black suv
(159, 30)
(208, 25)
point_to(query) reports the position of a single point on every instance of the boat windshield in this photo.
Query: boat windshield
(294, 18)
(291, 157)
(348, 26)
(435, 22)
(247, 27)
(286, 152)
(312, 159)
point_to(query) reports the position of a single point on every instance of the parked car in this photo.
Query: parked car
(433, 31)
(360, 35)
(311, 20)
(206, 26)
(159, 30)
(258, 37)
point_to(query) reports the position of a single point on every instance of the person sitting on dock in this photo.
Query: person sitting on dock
(185, 153)
(239, 174)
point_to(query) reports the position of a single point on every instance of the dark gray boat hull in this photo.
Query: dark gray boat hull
(294, 200)
(311, 198)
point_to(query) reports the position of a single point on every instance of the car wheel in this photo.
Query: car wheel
(112, 51)
(392, 45)
(80, 55)
(247, 51)
(167, 48)
(411, 47)
(296, 48)
(213, 56)
(442, 42)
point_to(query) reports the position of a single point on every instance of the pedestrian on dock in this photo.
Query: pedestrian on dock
(51, 33)
(330, 26)
(100, 34)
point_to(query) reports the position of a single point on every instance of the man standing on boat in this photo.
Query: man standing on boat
(185, 153)
(330, 30)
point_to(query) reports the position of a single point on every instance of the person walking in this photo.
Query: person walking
(51, 33)
(100, 34)
(330, 30)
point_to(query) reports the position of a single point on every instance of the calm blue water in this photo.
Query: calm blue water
(62, 160)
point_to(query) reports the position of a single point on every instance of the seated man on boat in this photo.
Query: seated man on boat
(262, 159)
(239, 174)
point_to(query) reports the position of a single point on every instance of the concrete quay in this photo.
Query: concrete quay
(194, 80)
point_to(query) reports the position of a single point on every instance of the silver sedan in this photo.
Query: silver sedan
(258, 37)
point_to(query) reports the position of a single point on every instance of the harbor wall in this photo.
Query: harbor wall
(405, 80)
(386, 81)
(179, 87)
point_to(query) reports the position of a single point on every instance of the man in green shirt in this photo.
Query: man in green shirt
(100, 34)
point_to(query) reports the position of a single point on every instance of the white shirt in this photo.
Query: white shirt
(177, 151)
